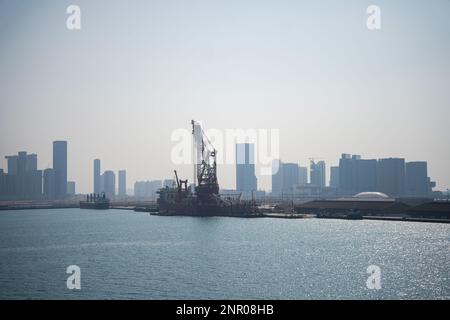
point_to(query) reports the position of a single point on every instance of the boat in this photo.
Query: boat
(202, 198)
(95, 201)
(146, 209)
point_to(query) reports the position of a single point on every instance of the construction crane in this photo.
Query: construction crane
(181, 184)
(205, 166)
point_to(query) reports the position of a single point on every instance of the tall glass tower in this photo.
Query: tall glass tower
(60, 168)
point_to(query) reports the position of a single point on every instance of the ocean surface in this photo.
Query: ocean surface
(128, 255)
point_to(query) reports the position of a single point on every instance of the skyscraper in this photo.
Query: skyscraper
(109, 184)
(290, 176)
(334, 177)
(97, 176)
(21, 174)
(357, 175)
(7, 185)
(33, 177)
(12, 164)
(33, 184)
(416, 179)
(391, 176)
(302, 176)
(102, 183)
(122, 183)
(246, 181)
(365, 175)
(60, 167)
(277, 177)
(24, 180)
(49, 183)
(346, 173)
(31, 164)
(140, 189)
(147, 189)
(317, 171)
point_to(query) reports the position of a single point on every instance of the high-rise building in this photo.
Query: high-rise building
(60, 167)
(33, 184)
(317, 171)
(102, 183)
(22, 163)
(346, 173)
(49, 183)
(416, 179)
(357, 175)
(122, 183)
(302, 176)
(109, 179)
(334, 177)
(246, 181)
(277, 177)
(147, 189)
(139, 189)
(24, 181)
(97, 176)
(33, 177)
(31, 163)
(391, 176)
(7, 186)
(290, 177)
(10, 179)
(70, 188)
(12, 164)
(365, 175)
(21, 175)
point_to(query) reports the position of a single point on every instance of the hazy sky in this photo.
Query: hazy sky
(137, 70)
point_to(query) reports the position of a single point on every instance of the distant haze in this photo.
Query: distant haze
(137, 70)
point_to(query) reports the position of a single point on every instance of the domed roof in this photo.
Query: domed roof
(371, 195)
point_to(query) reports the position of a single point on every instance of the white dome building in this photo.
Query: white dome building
(371, 195)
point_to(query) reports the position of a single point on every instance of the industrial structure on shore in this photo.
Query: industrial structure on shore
(203, 198)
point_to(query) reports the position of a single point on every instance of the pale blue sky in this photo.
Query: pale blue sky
(137, 70)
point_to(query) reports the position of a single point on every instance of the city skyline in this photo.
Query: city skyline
(393, 176)
(253, 152)
(315, 72)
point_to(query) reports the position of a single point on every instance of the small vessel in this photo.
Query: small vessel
(146, 209)
(95, 201)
